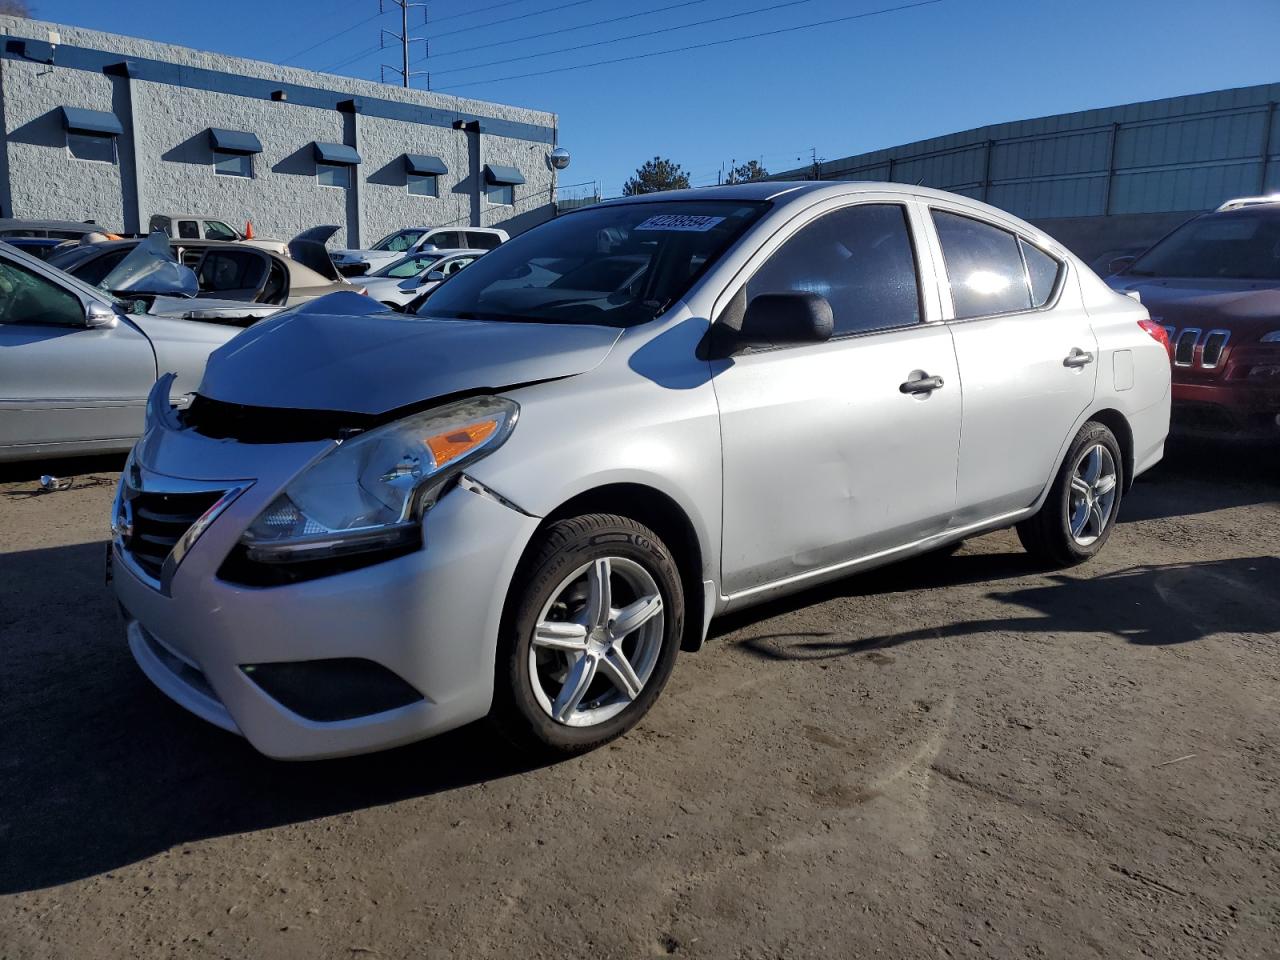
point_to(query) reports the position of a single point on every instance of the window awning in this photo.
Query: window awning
(502, 176)
(79, 120)
(420, 163)
(234, 141)
(335, 153)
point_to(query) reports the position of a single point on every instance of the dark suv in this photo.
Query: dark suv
(1214, 284)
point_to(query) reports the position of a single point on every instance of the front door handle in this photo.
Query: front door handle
(1078, 358)
(921, 384)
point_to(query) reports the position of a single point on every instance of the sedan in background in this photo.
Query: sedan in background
(1214, 285)
(76, 364)
(404, 281)
(225, 270)
(525, 501)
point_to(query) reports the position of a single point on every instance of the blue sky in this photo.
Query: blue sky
(842, 88)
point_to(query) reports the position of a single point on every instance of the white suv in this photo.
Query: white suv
(355, 263)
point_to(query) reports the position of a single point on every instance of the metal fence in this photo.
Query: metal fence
(1179, 154)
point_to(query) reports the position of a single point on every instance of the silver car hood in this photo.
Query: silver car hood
(346, 352)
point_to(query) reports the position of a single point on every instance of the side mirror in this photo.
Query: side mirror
(99, 315)
(1120, 263)
(781, 319)
(435, 276)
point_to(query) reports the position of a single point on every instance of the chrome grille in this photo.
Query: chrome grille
(1184, 348)
(1214, 343)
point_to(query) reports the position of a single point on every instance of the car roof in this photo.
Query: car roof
(774, 190)
(7, 223)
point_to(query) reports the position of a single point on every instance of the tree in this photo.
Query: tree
(747, 172)
(14, 8)
(656, 174)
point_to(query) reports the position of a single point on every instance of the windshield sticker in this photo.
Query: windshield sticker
(680, 223)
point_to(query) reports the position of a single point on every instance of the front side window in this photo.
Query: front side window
(984, 266)
(617, 265)
(232, 164)
(859, 258)
(29, 298)
(447, 239)
(399, 242)
(424, 185)
(1241, 245)
(408, 267)
(333, 175)
(217, 230)
(456, 264)
(92, 146)
(501, 193)
(95, 271)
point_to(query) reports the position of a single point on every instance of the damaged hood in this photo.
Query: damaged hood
(235, 312)
(346, 352)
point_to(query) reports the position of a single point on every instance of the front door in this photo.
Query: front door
(60, 380)
(827, 458)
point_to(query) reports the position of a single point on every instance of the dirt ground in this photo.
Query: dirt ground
(958, 756)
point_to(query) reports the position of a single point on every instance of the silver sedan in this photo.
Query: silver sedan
(526, 501)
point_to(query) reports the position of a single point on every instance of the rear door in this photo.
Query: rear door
(61, 381)
(827, 456)
(1027, 358)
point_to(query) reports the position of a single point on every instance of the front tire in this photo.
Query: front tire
(1080, 512)
(590, 636)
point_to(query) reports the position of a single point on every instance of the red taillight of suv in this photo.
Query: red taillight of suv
(1159, 334)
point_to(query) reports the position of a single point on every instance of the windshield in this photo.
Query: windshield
(408, 267)
(399, 242)
(617, 265)
(1235, 246)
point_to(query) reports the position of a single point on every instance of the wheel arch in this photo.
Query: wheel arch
(1118, 424)
(665, 517)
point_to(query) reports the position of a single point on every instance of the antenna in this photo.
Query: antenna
(404, 40)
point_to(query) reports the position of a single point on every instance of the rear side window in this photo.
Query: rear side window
(230, 270)
(482, 241)
(984, 266)
(859, 258)
(188, 230)
(1043, 271)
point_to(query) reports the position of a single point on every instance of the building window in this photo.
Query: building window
(334, 175)
(501, 193)
(92, 146)
(424, 184)
(230, 164)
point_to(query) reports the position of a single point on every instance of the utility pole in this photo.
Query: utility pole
(404, 39)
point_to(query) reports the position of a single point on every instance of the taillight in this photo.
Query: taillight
(1159, 334)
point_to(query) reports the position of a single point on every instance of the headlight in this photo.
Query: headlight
(1272, 337)
(370, 492)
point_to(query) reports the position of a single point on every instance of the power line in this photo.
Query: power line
(632, 36)
(494, 23)
(472, 13)
(698, 46)
(333, 36)
(581, 26)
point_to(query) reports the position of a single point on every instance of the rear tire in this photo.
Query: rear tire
(1080, 512)
(559, 641)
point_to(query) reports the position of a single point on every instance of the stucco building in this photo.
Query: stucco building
(115, 129)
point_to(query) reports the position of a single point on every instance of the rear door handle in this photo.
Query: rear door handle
(1078, 358)
(923, 384)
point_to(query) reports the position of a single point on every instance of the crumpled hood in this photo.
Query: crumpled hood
(345, 352)
(1241, 306)
(210, 309)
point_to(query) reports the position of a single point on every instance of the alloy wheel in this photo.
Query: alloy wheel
(596, 642)
(1093, 494)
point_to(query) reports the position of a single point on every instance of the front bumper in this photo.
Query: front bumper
(1231, 408)
(431, 617)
